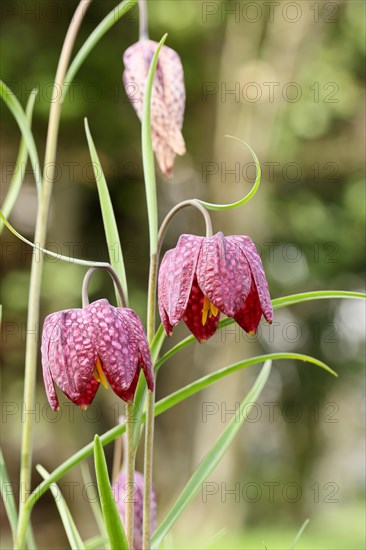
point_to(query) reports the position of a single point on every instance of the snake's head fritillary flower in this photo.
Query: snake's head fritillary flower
(203, 276)
(167, 100)
(82, 348)
(122, 492)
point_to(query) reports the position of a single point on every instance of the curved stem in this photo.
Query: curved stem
(88, 276)
(168, 218)
(37, 267)
(143, 21)
(149, 435)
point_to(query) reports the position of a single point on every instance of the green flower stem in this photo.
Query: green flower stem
(130, 471)
(152, 210)
(37, 268)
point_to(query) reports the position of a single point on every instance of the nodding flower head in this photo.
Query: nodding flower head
(99, 344)
(167, 101)
(122, 492)
(203, 276)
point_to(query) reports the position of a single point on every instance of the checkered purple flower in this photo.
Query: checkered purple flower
(167, 100)
(122, 493)
(203, 276)
(82, 348)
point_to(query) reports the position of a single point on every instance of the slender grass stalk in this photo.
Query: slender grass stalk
(130, 471)
(152, 209)
(37, 267)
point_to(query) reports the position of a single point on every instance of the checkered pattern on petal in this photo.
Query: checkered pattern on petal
(115, 344)
(71, 351)
(249, 316)
(193, 316)
(138, 335)
(51, 324)
(176, 278)
(167, 100)
(256, 268)
(223, 274)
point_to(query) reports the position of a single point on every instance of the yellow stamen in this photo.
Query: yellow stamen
(208, 310)
(99, 374)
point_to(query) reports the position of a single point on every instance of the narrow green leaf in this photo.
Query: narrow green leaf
(212, 458)
(8, 496)
(95, 542)
(20, 165)
(316, 295)
(162, 406)
(298, 536)
(39, 249)
(95, 506)
(252, 192)
(71, 531)
(198, 385)
(114, 527)
(277, 303)
(148, 154)
(16, 109)
(109, 220)
(109, 20)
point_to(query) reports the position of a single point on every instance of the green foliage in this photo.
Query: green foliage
(113, 524)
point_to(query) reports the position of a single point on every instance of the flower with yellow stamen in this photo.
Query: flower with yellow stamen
(205, 276)
(99, 344)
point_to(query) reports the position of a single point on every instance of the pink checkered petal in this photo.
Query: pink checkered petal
(176, 278)
(167, 101)
(71, 351)
(193, 316)
(88, 394)
(223, 274)
(50, 326)
(249, 316)
(115, 343)
(256, 267)
(138, 335)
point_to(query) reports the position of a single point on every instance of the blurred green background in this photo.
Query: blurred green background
(287, 77)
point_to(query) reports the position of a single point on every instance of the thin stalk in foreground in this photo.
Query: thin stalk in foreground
(152, 209)
(130, 470)
(37, 266)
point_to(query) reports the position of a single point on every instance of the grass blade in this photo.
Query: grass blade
(20, 165)
(71, 531)
(114, 527)
(109, 220)
(17, 111)
(95, 506)
(297, 538)
(277, 303)
(95, 542)
(212, 458)
(8, 496)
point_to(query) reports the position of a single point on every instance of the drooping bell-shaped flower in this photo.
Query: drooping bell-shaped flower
(122, 492)
(203, 276)
(82, 348)
(167, 100)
